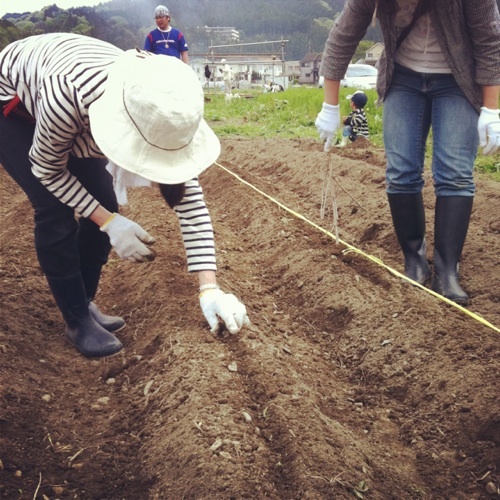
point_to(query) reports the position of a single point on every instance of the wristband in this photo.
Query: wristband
(330, 106)
(108, 220)
(490, 111)
(206, 287)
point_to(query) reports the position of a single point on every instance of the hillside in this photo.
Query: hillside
(125, 23)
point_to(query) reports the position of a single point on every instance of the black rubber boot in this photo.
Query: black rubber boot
(90, 338)
(408, 217)
(91, 276)
(110, 323)
(450, 229)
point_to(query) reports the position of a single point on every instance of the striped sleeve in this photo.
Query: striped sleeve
(57, 127)
(196, 228)
(57, 76)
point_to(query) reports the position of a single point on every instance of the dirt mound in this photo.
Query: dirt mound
(348, 384)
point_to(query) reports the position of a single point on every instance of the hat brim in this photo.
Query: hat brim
(119, 140)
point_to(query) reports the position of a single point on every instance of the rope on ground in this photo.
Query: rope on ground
(353, 249)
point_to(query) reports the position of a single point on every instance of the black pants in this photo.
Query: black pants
(65, 246)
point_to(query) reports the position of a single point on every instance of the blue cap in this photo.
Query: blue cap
(359, 98)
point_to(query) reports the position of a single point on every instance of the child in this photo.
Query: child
(355, 123)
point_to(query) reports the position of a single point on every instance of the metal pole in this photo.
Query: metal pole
(243, 44)
(249, 63)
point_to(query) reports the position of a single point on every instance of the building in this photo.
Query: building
(252, 69)
(222, 34)
(309, 68)
(373, 54)
(292, 70)
(249, 67)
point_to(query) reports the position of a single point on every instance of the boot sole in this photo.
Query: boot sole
(98, 356)
(459, 301)
(89, 355)
(116, 329)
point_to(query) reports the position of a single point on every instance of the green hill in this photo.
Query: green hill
(125, 23)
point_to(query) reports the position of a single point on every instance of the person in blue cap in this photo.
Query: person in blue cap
(165, 39)
(355, 123)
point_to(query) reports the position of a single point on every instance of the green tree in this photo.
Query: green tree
(123, 36)
(8, 33)
(83, 27)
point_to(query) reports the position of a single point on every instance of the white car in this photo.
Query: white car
(358, 76)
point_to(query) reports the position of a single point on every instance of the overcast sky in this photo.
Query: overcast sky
(32, 5)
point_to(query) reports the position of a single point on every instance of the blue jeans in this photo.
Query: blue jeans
(415, 103)
(347, 131)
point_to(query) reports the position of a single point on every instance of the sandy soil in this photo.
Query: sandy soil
(348, 384)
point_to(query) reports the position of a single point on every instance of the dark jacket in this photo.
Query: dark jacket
(468, 32)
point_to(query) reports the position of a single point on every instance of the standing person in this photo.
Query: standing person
(227, 77)
(165, 39)
(208, 74)
(355, 123)
(68, 100)
(426, 79)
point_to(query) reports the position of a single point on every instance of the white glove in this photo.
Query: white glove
(219, 307)
(488, 128)
(128, 238)
(327, 123)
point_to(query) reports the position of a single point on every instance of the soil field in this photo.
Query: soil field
(349, 383)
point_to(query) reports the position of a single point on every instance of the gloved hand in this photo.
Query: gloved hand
(128, 238)
(219, 307)
(488, 127)
(327, 123)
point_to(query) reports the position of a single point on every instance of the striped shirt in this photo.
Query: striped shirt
(196, 228)
(58, 76)
(358, 122)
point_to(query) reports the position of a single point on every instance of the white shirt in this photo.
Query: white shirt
(420, 51)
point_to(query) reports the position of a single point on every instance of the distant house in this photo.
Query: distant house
(292, 70)
(309, 68)
(373, 54)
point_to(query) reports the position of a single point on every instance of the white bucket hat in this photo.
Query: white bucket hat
(149, 119)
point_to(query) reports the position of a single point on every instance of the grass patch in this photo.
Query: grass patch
(291, 114)
(285, 114)
(489, 165)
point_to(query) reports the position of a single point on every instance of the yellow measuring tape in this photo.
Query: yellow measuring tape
(353, 249)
